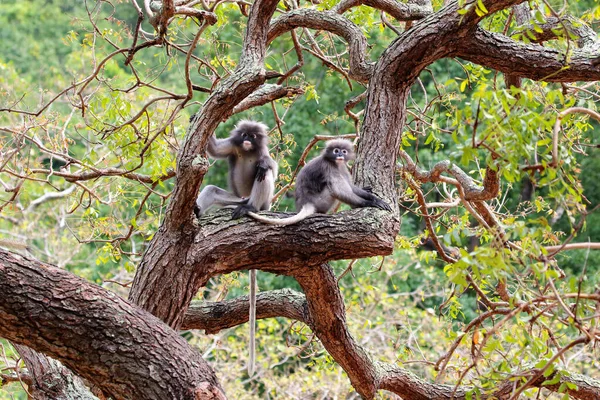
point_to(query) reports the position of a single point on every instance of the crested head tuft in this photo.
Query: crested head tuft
(247, 125)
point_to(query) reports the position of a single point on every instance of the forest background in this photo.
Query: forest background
(406, 308)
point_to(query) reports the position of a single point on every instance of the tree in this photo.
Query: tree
(132, 349)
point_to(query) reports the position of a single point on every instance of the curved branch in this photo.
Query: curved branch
(557, 124)
(265, 94)
(213, 317)
(328, 320)
(360, 68)
(531, 61)
(472, 191)
(401, 11)
(125, 351)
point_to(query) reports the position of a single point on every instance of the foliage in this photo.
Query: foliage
(407, 308)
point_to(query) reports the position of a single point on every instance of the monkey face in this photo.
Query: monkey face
(339, 152)
(249, 139)
(340, 155)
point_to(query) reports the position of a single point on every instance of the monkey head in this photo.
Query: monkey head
(250, 135)
(339, 151)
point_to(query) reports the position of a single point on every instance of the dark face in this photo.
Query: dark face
(339, 154)
(249, 139)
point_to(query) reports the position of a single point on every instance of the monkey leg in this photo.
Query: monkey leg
(260, 197)
(213, 195)
(262, 193)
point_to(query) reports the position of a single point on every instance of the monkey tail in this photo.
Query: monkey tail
(252, 322)
(307, 209)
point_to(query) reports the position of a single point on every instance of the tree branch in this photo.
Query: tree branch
(320, 238)
(50, 380)
(265, 94)
(409, 11)
(531, 61)
(360, 68)
(213, 317)
(125, 351)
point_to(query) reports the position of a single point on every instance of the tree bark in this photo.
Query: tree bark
(125, 351)
(50, 379)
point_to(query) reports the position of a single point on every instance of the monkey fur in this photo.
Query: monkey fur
(325, 180)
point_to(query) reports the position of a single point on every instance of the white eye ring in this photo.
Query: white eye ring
(345, 151)
(335, 151)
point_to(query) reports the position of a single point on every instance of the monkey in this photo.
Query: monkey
(252, 174)
(252, 171)
(324, 180)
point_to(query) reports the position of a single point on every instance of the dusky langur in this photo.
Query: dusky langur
(324, 180)
(252, 171)
(252, 174)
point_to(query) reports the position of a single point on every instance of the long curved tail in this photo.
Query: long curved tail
(307, 209)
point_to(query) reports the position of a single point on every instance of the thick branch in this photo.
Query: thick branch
(163, 257)
(401, 11)
(360, 68)
(125, 351)
(247, 244)
(531, 61)
(265, 94)
(213, 317)
(328, 321)
(50, 380)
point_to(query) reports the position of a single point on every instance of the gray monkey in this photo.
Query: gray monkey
(252, 174)
(324, 180)
(252, 171)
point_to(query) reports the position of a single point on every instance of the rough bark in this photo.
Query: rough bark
(531, 61)
(50, 380)
(129, 353)
(215, 316)
(401, 11)
(163, 261)
(125, 351)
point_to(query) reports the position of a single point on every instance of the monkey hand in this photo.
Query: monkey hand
(368, 189)
(242, 210)
(261, 170)
(378, 203)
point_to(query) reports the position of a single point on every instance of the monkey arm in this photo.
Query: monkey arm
(354, 196)
(219, 148)
(369, 196)
(263, 165)
(343, 191)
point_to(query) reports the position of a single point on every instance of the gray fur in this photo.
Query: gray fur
(325, 180)
(252, 174)
(248, 191)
